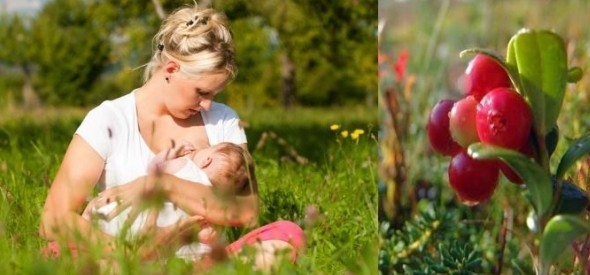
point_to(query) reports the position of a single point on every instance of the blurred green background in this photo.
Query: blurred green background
(289, 53)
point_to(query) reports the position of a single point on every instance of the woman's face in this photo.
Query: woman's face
(190, 95)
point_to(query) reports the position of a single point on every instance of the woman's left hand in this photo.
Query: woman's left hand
(135, 194)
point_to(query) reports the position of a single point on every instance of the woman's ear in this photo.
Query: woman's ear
(171, 67)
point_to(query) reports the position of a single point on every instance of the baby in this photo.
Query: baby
(226, 167)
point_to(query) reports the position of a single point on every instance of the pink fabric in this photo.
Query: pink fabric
(280, 230)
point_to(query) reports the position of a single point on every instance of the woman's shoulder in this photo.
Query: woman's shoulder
(220, 110)
(122, 105)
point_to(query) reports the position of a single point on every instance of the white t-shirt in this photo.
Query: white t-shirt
(112, 130)
(167, 215)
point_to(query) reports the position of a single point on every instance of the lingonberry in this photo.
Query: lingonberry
(437, 127)
(462, 121)
(504, 119)
(473, 180)
(482, 75)
(512, 176)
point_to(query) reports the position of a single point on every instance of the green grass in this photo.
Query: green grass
(338, 179)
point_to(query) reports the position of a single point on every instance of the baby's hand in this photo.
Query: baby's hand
(183, 149)
(208, 235)
(157, 165)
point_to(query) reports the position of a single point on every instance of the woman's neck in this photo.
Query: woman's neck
(149, 98)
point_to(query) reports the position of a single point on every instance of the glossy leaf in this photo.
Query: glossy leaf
(577, 150)
(559, 233)
(540, 190)
(541, 61)
(511, 63)
(555, 74)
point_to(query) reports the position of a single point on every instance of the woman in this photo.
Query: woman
(192, 62)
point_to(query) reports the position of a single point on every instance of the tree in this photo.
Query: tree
(72, 51)
(326, 49)
(16, 51)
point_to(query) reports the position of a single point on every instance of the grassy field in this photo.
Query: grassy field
(422, 238)
(307, 173)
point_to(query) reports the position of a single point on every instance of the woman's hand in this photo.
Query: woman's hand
(138, 194)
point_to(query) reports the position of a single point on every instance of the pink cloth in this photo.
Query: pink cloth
(280, 230)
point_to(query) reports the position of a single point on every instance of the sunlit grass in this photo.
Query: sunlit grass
(332, 195)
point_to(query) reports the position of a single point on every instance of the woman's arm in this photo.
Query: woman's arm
(198, 199)
(79, 171)
(193, 198)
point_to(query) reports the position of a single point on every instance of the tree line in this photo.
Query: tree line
(289, 52)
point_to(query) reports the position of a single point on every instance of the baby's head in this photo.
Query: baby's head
(229, 167)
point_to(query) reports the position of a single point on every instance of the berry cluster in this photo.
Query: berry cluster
(491, 112)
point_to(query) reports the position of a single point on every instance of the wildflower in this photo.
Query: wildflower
(400, 64)
(356, 133)
(344, 134)
(334, 127)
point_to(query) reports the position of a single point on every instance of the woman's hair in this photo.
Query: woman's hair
(199, 39)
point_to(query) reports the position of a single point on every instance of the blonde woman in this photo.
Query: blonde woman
(193, 61)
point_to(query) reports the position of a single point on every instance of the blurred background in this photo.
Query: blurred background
(289, 53)
(419, 64)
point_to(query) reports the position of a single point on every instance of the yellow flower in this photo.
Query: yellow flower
(359, 131)
(334, 127)
(344, 134)
(354, 135)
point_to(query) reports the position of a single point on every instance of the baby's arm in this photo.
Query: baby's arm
(169, 161)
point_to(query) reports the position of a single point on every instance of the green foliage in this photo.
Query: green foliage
(82, 52)
(71, 50)
(429, 244)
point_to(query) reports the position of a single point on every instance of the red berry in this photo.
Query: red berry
(509, 173)
(437, 127)
(473, 180)
(512, 176)
(482, 75)
(504, 119)
(462, 121)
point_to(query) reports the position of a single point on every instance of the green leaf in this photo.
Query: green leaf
(577, 150)
(541, 61)
(528, 64)
(512, 64)
(540, 190)
(555, 74)
(559, 233)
